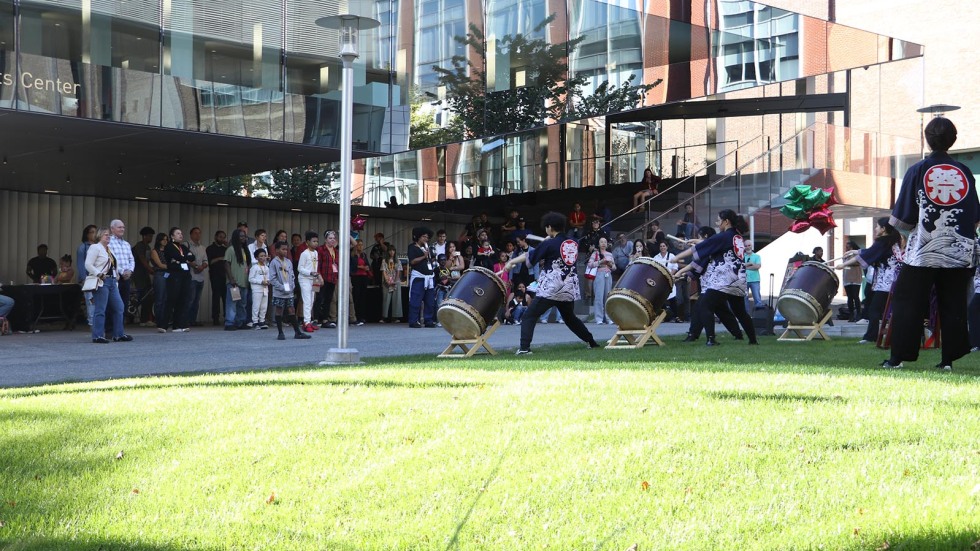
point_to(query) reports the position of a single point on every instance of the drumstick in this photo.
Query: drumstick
(533, 237)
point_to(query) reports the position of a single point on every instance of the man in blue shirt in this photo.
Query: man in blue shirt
(937, 207)
(752, 279)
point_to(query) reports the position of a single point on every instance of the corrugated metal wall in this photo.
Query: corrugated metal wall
(28, 219)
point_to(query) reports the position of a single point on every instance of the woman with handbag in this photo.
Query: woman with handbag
(455, 262)
(102, 282)
(601, 264)
(391, 287)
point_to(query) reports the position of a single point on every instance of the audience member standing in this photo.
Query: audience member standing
(143, 274)
(237, 262)
(391, 288)
(199, 273)
(216, 274)
(853, 277)
(360, 274)
(283, 302)
(101, 261)
(88, 239)
(753, 263)
(329, 268)
(310, 281)
(179, 259)
(158, 260)
(602, 261)
(123, 253)
(258, 278)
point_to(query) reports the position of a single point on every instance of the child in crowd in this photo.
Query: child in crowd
(502, 259)
(484, 255)
(516, 306)
(258, 277)
(443, 279)
(283, 287)
(66, 274)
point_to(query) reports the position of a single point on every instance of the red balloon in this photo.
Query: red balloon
(357, 223)
(799, 226)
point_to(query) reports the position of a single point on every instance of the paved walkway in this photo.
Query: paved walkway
(55, 356)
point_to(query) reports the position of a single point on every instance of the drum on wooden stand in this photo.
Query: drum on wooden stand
(472, 303)
(640, 294)
(807, 295)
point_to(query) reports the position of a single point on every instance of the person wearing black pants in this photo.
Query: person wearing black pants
(216, 273)
(853, 277)
(885, 256)
(557, 282)
(178, 258)
(720, 260)
(973, 314)
(698, 315)
(938, 206)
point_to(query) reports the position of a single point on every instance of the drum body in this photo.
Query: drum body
(640, 294)
(472, 303)
(808, 293)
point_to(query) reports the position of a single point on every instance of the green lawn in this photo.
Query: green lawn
(781, 446)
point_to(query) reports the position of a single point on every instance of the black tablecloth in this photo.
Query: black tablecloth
(34, 303)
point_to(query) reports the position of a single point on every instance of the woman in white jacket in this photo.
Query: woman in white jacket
(100, 262)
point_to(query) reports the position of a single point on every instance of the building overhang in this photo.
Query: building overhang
(725, 108)
(79, 156)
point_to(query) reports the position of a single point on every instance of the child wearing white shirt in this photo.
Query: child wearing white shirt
(258, 277)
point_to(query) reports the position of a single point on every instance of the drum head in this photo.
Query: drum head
(798, 309)
(459, 321)
(628, 312)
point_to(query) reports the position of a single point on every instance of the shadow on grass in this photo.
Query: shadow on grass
(186, 381)
(92, 544)
(772, 397)
(954, 539)
(454, 541)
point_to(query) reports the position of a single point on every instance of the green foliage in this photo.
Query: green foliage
(424, 132)
(779, 446)
(542, 97)
(549, 94)
(310, 183)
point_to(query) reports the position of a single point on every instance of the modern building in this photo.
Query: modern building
(128, 109)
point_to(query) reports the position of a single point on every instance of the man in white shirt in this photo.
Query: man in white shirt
(440, 244)
(125, 262)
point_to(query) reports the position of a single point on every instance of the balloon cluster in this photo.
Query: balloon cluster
(809, 208)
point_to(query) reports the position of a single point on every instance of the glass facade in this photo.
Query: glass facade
(515, 91)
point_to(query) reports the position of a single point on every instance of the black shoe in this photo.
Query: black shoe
(281, 337)
(231, 328)
(415, 325)
(690, 338)
(430, 325)
(100, 340)
(331, 325)
(594, 344)
(753, 342)
(302, 336)
(124, 338)
(711, 342)
(887, 364)
(944, 366)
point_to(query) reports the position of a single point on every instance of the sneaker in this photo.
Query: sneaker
(975, 349)
(231, 328)
(359, 323)
(863, 341)
(302, 336)
(182, 330)
(522, 352)
(542, 321)
(264, 326)
(593, 345)
(256, 327)
(711, 342)
(887, 364)
(415, 325)
(863, 322)
(100, 340)
(430, 325)
(308, 328)
(281, 337)
(559, 321)
(600, 322)
(161, 330)
(123, 338)
(944, 367)
(249, 325)
(331, 325)
(690, 338)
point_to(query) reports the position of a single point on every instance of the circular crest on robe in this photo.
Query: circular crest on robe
(738, 245)
(945, 184)
(568, 252)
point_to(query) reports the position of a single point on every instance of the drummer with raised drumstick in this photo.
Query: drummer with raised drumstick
(719, 259)
(885, 255)
(557, 283)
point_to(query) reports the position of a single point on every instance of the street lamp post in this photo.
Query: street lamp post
(349, 25)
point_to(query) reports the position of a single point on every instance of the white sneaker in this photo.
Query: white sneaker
(863, 322)
(543, 321)
(521, 352)
(863, 341)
